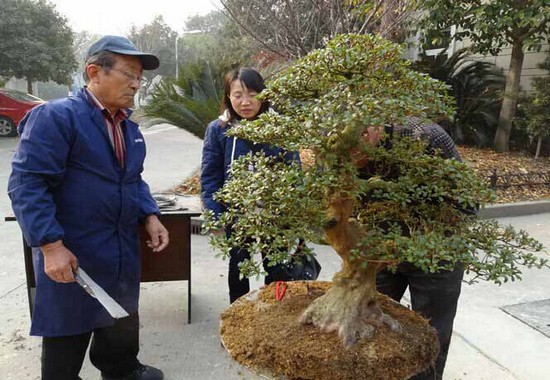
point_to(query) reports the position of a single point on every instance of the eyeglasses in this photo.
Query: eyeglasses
(242, 97)
(130, 77)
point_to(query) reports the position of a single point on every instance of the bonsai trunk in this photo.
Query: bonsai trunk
(350, 307)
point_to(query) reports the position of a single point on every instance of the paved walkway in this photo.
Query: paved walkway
(488, 343)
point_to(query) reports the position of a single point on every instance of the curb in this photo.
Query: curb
(506, 210)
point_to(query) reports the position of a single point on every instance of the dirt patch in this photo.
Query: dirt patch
(264, 334)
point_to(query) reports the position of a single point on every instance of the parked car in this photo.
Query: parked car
(13, 106)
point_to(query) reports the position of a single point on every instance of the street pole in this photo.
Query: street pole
(177, 65)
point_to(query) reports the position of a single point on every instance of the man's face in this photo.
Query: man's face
(373, 135)
(115, 87)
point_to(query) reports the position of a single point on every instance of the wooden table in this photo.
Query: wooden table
(173, 264)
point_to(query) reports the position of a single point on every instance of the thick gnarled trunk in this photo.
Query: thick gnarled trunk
(350, 307)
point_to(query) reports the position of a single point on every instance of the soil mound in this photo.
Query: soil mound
(264, 335)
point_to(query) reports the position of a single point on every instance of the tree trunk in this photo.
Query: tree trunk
(457, 133)
(29, 86)
(539, 146)
(350, 307)
(388, 20)
(509, 103)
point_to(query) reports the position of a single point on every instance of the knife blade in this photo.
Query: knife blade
(96, 291)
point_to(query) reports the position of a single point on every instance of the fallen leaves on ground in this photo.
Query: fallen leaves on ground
(486, 161)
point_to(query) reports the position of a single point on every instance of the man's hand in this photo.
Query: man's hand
(59, 262)
(157, 232)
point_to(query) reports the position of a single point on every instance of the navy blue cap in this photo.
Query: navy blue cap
(122, 45)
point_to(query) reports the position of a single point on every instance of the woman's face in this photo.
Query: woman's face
(243, 100)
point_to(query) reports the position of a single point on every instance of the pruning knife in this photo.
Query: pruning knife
(96, 291)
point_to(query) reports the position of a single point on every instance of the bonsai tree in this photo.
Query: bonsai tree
(375, 206)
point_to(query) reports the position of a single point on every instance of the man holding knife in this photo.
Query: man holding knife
(78, 195)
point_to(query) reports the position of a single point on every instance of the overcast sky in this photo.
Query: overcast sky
(117, 16)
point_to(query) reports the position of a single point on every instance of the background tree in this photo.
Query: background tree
(490, 26)
(212, 22)
(35, 42)
(375, 206)
(291, 29)
(82, 41)
(159, 39)
(216, 39)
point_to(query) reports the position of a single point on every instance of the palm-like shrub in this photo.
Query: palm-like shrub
(190, 102)
(477, 88)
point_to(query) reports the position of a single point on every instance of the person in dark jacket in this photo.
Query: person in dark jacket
(433, 295)
(77, 192)
(219, 151)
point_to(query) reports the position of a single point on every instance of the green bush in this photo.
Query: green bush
(190, 102)
(477, 88)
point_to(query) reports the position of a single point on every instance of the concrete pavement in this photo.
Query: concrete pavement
(488, 343)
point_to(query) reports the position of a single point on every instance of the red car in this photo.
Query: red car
(13, 106)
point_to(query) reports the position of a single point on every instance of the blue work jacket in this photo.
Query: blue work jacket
(66, 183)
(219, 151)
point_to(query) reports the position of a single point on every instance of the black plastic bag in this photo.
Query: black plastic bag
(303, 269)
(301, 266)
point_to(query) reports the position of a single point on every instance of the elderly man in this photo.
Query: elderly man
(78, 195)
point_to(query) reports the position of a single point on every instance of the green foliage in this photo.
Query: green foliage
(407, 206)
(35, 42)
(191, 102)
(328, 97)
(490, 25)
(477, 89)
